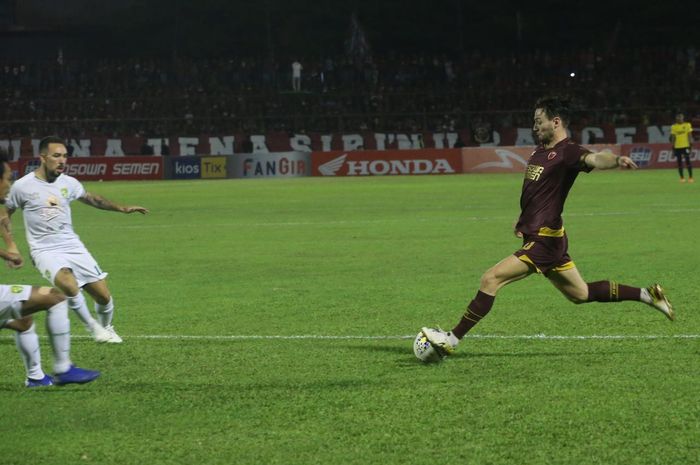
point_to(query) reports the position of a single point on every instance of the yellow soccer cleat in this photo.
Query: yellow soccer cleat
(660, 302)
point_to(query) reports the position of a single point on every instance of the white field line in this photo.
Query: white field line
(452, 218)
(543, 337)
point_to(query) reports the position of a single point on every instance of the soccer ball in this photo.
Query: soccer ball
(424, 350)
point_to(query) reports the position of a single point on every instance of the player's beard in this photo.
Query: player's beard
(544, 136)
(51, 175)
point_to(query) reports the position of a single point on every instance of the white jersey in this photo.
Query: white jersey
(47, 214)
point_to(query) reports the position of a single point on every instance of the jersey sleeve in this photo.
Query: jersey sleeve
(14, 198)
(573, 157)
(77, 190)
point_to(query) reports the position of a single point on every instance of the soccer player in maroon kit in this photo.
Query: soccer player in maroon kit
(551, 171)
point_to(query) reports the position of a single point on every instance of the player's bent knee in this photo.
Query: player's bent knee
(65, 280)
(577, 298)
(490, 281)
(21, 324)
(102, 299)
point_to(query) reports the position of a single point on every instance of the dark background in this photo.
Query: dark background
(316, 28)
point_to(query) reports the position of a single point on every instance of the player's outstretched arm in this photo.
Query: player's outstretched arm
(100, 202)
(608, 160)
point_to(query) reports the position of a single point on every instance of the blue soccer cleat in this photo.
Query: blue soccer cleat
(75, 375)
(34, 383)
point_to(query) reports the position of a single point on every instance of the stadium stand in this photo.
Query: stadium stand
(393, 92)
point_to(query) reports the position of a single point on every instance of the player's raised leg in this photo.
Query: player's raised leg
(506, 271)
(104, 307)
(66, 282)
(571, 284)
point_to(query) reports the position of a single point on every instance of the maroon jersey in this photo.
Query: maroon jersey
(549, 176)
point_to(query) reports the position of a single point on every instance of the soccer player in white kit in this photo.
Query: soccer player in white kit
(56, 250)
(18, 302)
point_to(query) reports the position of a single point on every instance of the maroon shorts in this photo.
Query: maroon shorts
(546, 253)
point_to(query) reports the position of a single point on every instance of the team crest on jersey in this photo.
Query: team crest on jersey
(551, 155)
(52, 201)
(64, 192)
(16, 289)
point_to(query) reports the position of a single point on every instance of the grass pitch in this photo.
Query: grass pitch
(271, 322)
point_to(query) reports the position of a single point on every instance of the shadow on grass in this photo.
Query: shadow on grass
(244, 389)
(68, 389)
(466, 354)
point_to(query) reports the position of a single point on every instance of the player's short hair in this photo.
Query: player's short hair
(4, 161)
(556, 106)
(44, 143)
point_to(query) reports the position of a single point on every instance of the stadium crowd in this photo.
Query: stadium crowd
(391, 92)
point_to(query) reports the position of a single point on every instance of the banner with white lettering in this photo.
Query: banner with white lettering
(184, 168)
(277, 141)
(386, 163)
(104, 168)
(656, 155)
(509, 159)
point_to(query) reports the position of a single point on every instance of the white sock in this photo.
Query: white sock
(645, 297)
(58, 325)
(105, 312)
(453, 339)
(79, 306)
(28, 345)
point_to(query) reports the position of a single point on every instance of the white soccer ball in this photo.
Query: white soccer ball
(424, 350)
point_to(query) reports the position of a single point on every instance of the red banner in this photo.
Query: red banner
(229, 144)
(656, 155)
(104, 168)
(508, 159)
(386, 163)
(495, 159)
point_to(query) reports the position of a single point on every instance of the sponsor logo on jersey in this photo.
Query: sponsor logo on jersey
(534, 172)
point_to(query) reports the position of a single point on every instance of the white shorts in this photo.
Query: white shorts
(84, 267)
(11, 298)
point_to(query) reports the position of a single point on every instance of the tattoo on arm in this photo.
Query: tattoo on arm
(100, 202)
